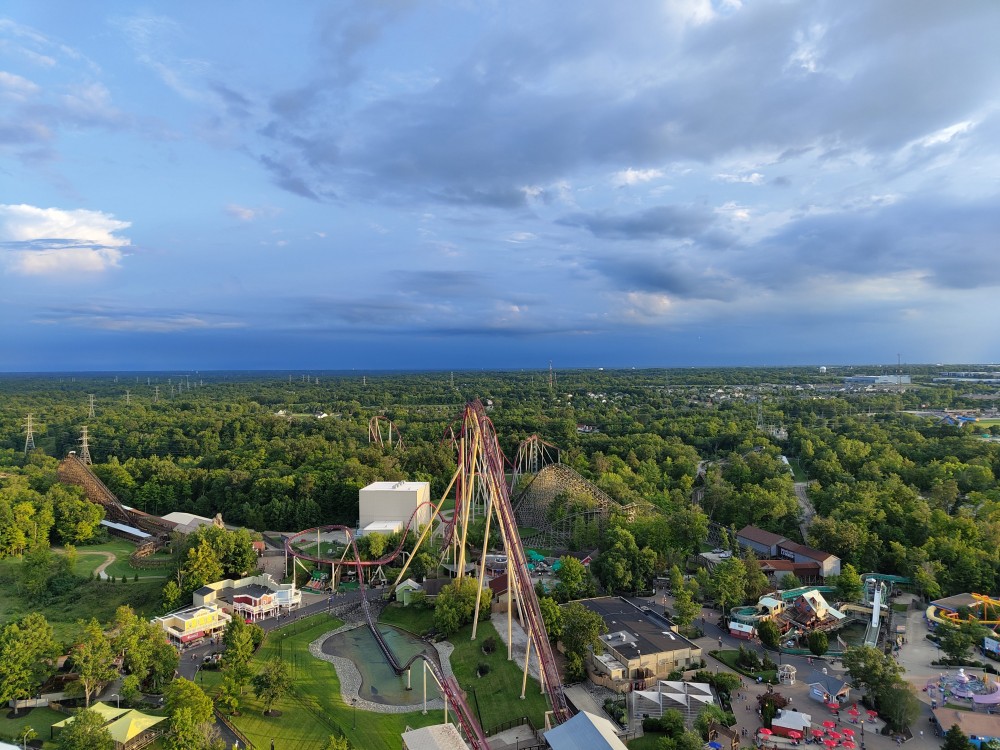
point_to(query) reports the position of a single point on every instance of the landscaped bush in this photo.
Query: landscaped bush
(489, 645)
(483, 669)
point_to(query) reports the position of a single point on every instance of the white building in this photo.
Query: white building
(387, 506)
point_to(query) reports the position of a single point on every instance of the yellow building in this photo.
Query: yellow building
(187, 625)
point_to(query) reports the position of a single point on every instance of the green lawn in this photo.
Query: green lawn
(798, 473)
(499, 692)
(317, 710)
(416, 620)
(729, 659)
(89, 599)
(87, 561)
(646, 742)
(40, 719)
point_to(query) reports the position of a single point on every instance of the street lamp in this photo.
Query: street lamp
(118, 700)
(354, 703)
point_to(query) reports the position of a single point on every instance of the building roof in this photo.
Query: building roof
(254, 590)
(787, 566)
(398, 486)
(585, 731)
(971, 723)
(632, 630)
(953, 603)
(830, 684)
(760, 536)
(130, 530)
(500, 584)
(801, 549)
(436, 737)
(131, 725)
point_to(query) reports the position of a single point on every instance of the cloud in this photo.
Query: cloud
(112, 318)
(249, 214)
(53, 241)
(635, 176)
(674, 222)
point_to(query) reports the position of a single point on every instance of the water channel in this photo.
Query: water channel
(379, 683)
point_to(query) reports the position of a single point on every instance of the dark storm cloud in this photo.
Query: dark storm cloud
(664, 275)
(676, 222)
(779, 76)
(441, 283)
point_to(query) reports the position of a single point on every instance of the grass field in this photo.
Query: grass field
(90, 599)
(728, 658)
(497, 693)
(647, 742)
(39, 719)
(88, 560)
(417, 621)
(317, 710)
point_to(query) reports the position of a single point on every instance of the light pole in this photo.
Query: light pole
(354, 703)
(118, 700)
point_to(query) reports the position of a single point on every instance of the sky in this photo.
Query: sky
(497, 184)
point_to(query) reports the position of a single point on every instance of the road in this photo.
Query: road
(805, 504)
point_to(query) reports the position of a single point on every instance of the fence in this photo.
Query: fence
(232, 728)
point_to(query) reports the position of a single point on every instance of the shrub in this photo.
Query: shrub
(489, 645)
(483, 669)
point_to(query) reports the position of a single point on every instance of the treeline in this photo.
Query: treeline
(893, 492)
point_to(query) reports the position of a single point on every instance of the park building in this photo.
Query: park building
(642, 644)
(253, 598)
(387, 507)
(191, 624)
(778, 554)
(877, 380)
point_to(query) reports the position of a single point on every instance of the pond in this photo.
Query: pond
(379, 683)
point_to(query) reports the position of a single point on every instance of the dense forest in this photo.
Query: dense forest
(894, 490)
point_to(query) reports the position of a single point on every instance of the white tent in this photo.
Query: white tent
(687, 697)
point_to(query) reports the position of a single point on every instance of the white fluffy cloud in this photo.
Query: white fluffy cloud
(55, 241)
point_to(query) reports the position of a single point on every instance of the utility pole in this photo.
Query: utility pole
(85, 448)
(91, 412)
(29, 441)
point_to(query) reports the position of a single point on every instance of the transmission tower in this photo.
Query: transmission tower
(128, 398)
(552, 376)
(156, 395)
(91, 412)
(29, 441)
(85, 447)
(760, 416)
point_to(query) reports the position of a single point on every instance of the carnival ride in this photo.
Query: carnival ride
(480, 485)
(382, 431)
(984, 609)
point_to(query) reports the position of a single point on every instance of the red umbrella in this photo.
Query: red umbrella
(854, 711)
(817, 733)
(795, 735)
(848, 744)
(872, 713)
(833, 706)
(834, 735)
(848, 732)
(829, 724)
(830, 743)
(764, 731)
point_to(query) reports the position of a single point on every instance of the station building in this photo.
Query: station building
(253, 598)
(190, 624)
(387, 507)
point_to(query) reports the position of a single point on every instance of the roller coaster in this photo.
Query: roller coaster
(479, 482)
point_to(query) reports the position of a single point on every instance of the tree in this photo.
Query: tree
(27, 656)
(171, 595)
(769, 633)
(686, 609)
(186, 695)
(456, 604)
(706, 716)
(729, 580)
(236, 659)
(572, 580)
(85, 732)
(789, 581)
(818, 642)
(337, 743)
(900, 706)
(93, 659)
(229, 697)
(955, 739)
(185, 732)
(552, 616)
(201, 566)
(271, 683)
(757, 583)
(956, 640)
(871, 670)
(582, 629)
(849, 584)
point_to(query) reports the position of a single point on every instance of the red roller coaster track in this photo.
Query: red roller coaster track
(481, 465)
